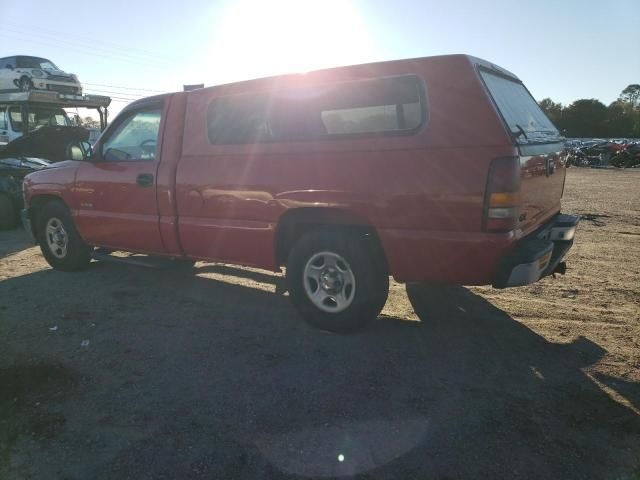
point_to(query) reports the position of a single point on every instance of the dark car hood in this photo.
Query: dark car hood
(19, 167)
(50, 143)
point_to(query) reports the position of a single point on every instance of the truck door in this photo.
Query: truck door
(115, 191)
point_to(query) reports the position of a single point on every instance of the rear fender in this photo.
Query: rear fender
(296, 221)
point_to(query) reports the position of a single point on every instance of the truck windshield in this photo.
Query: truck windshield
(38, 117)
(519, 109)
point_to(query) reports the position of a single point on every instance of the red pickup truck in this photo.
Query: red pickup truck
(440, 170)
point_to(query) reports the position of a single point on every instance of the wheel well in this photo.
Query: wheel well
(35, 205)
(295, 223)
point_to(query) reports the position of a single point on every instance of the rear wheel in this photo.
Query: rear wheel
(335, 280)
(60, 242)
(8, 213)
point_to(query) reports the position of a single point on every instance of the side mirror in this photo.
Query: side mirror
(80, 151)
(76, 152)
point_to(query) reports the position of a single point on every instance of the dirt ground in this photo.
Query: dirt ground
(126, 372)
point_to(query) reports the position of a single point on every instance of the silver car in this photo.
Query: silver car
(24, 73)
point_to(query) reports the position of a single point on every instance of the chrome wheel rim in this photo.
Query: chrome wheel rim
(329, 282)
(57, 238)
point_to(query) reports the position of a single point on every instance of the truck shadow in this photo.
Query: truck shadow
(249, 274)
(14, 241)
(194, 377)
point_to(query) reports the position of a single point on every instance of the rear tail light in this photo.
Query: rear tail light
(502, 196)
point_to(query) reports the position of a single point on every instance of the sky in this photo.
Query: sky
(562, 49)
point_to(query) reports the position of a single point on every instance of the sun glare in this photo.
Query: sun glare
(257, 39)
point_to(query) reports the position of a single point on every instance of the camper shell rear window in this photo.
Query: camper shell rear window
(519, 110)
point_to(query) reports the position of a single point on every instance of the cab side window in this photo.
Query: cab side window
(134, 139)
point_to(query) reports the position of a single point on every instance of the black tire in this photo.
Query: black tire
(25, 85)
(371, 286)
(8, 213)
(77, 255)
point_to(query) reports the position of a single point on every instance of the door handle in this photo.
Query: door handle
(144, 180)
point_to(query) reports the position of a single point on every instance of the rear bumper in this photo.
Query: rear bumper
(538, 255)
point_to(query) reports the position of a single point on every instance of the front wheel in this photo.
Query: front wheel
(335, 280)
(60, 242)
(26, 85)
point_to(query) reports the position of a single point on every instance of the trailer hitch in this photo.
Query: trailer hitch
(560, 269)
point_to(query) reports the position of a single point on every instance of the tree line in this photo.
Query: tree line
(590, 118)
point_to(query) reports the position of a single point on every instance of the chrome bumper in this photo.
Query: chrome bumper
(539, 255)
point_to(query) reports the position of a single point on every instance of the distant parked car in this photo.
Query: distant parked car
(11, 119)
(12, 171)
(34, 151)
(52, 143)
(24, 73)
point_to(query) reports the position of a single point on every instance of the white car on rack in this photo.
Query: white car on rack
(24, 73)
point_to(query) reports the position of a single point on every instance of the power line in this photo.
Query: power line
(118, 98)
(122, 94)
(101, 92)
(83, 50)
(72, 45)
(124, 88)
(88, 50)
(57, 34)
(131, 94)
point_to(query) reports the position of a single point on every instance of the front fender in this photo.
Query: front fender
(56, 181)
(35, 197)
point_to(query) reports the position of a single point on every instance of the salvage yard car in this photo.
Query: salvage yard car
(11, 124)
(24, 73)
(22, 112)
(31, 152)
(12, 171)
(441, 170)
